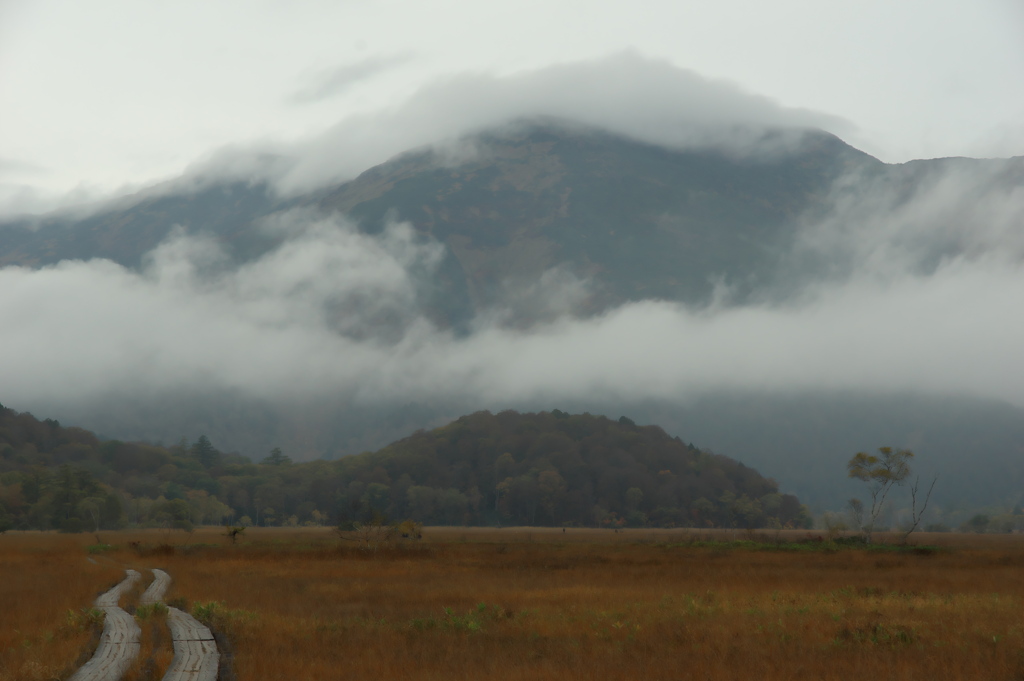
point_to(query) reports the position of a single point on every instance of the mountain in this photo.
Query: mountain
(546, 220)
(632, 221)
(507, 468)
(636, 220)
(641, 221)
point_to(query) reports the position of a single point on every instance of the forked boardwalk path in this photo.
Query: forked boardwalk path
(119, 642)
(195, 652)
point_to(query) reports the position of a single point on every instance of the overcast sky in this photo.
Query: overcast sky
(98, 95)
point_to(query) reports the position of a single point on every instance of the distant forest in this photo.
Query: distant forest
(547, 468)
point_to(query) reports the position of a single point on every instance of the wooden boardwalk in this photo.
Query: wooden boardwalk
(119, 642)
(195, 652)
(154, 593)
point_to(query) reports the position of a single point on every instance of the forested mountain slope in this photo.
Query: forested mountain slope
(507, 468)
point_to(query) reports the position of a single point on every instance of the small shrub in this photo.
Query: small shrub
(141, 549)
(205, 612)
(80, 620)
(878, 634)
(410, 529)
(858, 540)
(144, 612)
(471, 622)
(215, 615)
(98, 548)
(233, 532)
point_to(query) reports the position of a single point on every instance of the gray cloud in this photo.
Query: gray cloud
(21, 200)
(646, 99)
(13, 166)
(334, 82)
(333, 311)
(918, 218)
(649, 100)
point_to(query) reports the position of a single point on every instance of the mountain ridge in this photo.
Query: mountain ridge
(542, 211)
(516, 207)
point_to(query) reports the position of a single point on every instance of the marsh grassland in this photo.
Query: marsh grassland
(47, 584)
(539, 604)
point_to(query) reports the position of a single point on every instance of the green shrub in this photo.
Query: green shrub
(98, 548)
(79, 620)
(144, 612)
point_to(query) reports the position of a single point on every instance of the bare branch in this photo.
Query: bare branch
(914, 515)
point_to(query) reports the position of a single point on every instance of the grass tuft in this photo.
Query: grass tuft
(93, 549)
(153, 610)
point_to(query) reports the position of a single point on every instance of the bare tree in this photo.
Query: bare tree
(91, 506)
(915, 515)
(372, 534)
(881, 473)
(856, 507)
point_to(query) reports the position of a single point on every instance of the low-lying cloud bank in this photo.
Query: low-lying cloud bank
(333, 311)
(918, 217)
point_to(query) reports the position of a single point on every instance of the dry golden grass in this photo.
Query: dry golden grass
(155, 649)
(43, 576)
(593, 604)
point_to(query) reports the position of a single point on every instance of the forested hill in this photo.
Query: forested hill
(553, 468)
(548, 468)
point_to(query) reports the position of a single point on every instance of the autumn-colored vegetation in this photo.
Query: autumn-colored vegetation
(585, 604)
(155, 649)
(547, 469)
(48, 583)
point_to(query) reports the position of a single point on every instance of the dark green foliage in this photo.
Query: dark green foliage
(276, 458)
(555, 468)
(978, 523)
(204, 450)
(174, 514)
(6, 521)
(52, 477)
(508, 468)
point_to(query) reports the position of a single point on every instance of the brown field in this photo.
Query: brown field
(43, 578)
(528, 603)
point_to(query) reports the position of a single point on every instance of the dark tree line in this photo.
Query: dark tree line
(548, 468)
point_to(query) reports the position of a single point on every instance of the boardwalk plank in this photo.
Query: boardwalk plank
(155, 592)
(195, 653)
(119, 642)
